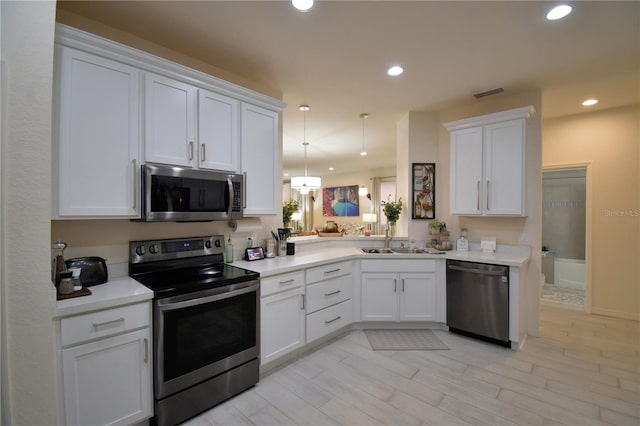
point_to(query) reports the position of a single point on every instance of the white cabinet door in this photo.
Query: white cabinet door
(170, 121)
(504, 168)
(108, 381)
(260, 160)
(379, 297)
(417, 297)
(218, 132)
(466, 171)
(282, 324)
(98, 136)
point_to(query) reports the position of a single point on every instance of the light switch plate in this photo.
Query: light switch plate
(488, 244)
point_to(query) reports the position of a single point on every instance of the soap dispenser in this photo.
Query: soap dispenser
(228, 251)
(462, 244)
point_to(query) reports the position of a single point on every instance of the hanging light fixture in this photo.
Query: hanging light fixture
(305, 183)
(363, 116)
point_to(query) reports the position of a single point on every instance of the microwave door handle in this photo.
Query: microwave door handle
(231, 196)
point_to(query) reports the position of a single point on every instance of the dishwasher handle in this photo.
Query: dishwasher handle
(476, 271)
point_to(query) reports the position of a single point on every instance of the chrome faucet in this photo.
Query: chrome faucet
(387, 238)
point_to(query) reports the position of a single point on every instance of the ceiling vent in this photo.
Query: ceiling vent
(488, 93)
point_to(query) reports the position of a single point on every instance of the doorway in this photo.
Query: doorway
(564, 236)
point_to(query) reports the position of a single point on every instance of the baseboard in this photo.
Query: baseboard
(615, 314)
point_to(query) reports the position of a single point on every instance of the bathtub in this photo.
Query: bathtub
(569, 273)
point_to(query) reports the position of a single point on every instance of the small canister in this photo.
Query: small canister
(291, 249)
(66, 286)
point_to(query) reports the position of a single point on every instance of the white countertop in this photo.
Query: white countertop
(283, 264)
(115, 292)
(124, 291)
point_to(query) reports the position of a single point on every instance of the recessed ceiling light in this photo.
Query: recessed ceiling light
(395, 70)
(302, 5)
(590, 102)
(559, 12)
(286, 174)
(331, 168)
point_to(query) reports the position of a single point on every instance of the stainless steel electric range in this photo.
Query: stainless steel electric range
(206, 324)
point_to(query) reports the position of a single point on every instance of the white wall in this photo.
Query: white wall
(27, 48)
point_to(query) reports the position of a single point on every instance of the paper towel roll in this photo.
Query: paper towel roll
(250, 224)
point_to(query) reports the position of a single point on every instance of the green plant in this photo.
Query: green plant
(392, 210)
(288, 208)
(437, 225)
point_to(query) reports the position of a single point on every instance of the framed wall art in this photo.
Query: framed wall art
(423, 190)
(341, 201)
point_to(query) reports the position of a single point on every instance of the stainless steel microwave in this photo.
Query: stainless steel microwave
(178, 194)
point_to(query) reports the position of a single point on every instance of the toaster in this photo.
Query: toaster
(93, 270)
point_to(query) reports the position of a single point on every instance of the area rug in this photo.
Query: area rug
(404, 340)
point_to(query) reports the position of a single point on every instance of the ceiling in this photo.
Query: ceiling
(334, 58)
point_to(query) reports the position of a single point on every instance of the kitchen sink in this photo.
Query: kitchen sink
(399, 250)
(376, 250)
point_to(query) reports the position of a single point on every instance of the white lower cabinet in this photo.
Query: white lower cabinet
(329, 306)
(107, 366)
(282, 327)
(392, 296)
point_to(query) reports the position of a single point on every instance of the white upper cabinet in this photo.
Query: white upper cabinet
(260, 159)
(98, 138)
(119, 107)
(218, 132)
(488, 164)
(188, 126)
(170, 121)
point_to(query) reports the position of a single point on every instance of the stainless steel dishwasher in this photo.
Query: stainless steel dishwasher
(478, 300)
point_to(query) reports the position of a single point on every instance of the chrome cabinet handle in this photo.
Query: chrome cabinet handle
(135, 183)
(203, 151)
(244, 191)
(332, 271)
(191, 151)
(478, 195)
(288, 281)
(333, 320)
(333, 292)
(403, 285)
(487, 195)
(395, 285)
(302, 307)
(146, 350)
(106, 323)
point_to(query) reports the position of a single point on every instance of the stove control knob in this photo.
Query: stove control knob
(140, 251)
(218, 243)
(153, 249)
(207, 244)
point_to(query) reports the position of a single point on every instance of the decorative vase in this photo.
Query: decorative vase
(392, 229)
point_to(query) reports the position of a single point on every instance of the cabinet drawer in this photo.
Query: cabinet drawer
(400, 265)
(327, 293)
(328, 320)
(105, 323)
(282, 282)
(332, 270)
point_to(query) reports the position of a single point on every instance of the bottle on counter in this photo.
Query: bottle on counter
(58, 265)
(228, 251)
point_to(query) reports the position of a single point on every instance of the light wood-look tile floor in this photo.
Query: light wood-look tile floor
(582, 370)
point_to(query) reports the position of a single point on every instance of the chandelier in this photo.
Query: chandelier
(305, 183)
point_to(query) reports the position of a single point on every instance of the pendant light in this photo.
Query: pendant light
(305, 183)
(364, 115)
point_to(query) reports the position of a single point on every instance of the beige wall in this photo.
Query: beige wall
(609, 142)
(27, 49)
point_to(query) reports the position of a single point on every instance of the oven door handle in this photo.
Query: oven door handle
(171, 303)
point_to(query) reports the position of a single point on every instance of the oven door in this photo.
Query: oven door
(200, 335)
